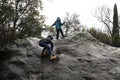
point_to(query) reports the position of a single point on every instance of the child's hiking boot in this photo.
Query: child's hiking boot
(52, 57)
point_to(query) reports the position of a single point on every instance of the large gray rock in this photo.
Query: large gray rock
(82, 57)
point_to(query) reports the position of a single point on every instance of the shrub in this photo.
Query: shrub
(101, 36)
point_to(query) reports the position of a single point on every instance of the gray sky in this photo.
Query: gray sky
(85, 8)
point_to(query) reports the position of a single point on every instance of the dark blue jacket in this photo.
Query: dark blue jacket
(47, 41)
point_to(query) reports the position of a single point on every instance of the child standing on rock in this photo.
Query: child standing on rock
(58, 25)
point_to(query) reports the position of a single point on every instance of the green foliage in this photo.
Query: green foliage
(115, 30)
(101, 36)
(30, 26)
(116, 40)
(19, 19)
(6, 18)
(103, 14)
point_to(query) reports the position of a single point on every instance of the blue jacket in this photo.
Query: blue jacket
(58, 23)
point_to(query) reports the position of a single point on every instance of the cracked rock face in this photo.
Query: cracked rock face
(82, 57)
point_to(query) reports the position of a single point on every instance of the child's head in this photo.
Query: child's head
(58, 19)
(50, 37)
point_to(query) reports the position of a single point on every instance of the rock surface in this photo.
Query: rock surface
(82, 57)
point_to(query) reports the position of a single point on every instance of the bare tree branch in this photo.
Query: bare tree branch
(104, 15)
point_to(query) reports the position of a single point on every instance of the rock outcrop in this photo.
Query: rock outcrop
(82, 57)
